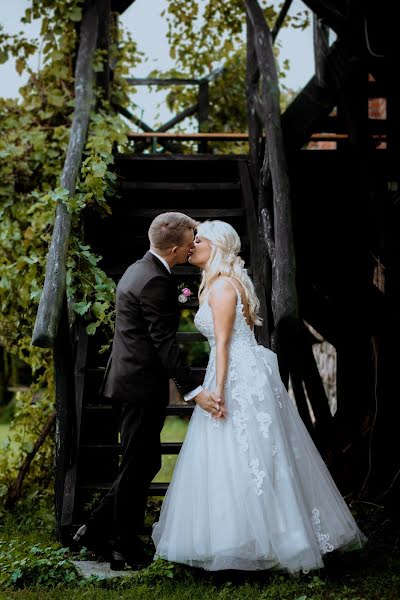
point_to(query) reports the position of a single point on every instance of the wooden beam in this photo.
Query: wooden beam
(188, 112)
(120, 6)
(253, 116)
(314, 101)
(203, 103)
(327, 11)
(255, 252)
(285, 303)
(321, 49)
(281, 17)
(66, 415)
(49, 310)
(103, 43)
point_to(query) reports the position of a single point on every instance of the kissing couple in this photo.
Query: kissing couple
(249, 490)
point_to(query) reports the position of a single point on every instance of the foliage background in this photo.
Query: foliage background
(33, 143)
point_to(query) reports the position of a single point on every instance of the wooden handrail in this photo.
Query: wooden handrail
(50, 304)
(201, 107)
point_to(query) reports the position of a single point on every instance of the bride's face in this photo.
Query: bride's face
(200, 252)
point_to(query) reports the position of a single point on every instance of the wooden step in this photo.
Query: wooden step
(166, 448)
(178, 185)
(124, 211)
(190, 158)
(156, 489)
(181, 137)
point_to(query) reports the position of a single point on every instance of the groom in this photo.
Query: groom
(145, 355)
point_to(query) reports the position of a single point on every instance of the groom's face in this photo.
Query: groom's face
(182, 251)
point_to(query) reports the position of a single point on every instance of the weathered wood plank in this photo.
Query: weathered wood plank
(49, 310)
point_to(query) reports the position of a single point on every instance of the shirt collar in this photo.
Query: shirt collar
(160, 258)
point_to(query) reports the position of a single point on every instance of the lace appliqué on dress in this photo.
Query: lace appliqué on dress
(239, 421)
(322, 538)
(265, 421)
(258, 475)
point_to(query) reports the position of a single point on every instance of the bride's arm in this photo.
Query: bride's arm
(222, 301)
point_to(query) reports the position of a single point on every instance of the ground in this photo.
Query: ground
(32, 565)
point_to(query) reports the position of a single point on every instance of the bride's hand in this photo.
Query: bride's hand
(210, 403)
(219, 397)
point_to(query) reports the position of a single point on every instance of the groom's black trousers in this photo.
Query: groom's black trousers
(120, 516)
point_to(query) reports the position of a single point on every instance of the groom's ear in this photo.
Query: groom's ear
(174, 250)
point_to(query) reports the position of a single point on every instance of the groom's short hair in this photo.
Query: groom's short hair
(169, 229)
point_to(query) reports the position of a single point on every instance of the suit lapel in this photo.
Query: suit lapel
(150, 257)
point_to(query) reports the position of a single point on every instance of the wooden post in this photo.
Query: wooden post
(65, 413)
(321, 47)
(284, 285)
(203, 112)
(103, 43)
(252, 84)
(255, 250)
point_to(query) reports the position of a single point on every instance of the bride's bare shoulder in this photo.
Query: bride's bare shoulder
(222, 290)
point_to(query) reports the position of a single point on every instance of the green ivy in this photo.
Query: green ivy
(35, 133)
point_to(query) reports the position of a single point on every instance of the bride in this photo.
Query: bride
(249, 490)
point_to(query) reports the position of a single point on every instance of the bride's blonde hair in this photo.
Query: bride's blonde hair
(225, 260)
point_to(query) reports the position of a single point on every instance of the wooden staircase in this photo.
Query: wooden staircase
(148, 185)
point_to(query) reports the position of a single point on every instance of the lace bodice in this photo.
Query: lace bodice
(241, 333)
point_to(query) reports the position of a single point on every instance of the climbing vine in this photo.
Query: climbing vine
(35, 133)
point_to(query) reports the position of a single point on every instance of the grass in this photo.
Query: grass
(174, 431)
(373, 574)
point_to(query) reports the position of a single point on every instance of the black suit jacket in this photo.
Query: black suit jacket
(145, 353)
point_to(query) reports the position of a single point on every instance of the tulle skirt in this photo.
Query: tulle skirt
(251, 491)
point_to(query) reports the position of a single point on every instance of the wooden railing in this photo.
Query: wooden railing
(53, 295)
(200, 108)
(52, 328)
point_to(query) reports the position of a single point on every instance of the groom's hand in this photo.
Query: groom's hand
(211, 403)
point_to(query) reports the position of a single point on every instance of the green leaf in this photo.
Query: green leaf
(91, 328)
(81, 307)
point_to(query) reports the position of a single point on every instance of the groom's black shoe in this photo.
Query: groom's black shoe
(88, 538)
(136, 558)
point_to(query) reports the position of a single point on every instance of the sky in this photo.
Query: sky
(146, 25)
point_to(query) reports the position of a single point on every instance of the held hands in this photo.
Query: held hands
(212, 403)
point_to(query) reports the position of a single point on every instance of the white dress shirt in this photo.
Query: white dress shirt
(193, 393)
(164, 262)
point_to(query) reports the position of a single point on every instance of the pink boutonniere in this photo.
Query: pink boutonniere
(185, 293)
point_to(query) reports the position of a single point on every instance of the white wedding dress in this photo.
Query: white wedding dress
(251, 491)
